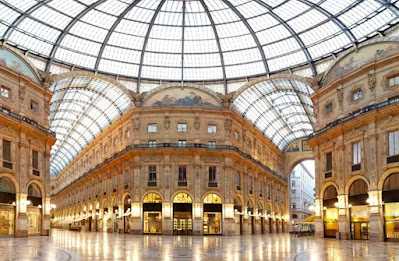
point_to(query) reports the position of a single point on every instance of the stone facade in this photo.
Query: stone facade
(25, 143)
(354, 113)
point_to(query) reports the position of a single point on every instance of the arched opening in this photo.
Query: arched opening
(238, 215)
(302, 195)
(261, 217)
(251, 218)
(115, 215)
(359, 210)
(152, 212)
(127, 207)
(390, 197)
(212, 221)
(182, 214)
(34, 209)
(7, 207)
(330, 211)
(268, 215)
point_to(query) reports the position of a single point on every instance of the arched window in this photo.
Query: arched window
(182, 198)
(330, 192)
(127, 201)
(391, 182)
(152, 198)
(34, 195)
(212, 199)
(358, 187)
(294, 216)
(6, 186)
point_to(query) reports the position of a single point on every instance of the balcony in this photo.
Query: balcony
(152, 183)
(36, 173)
(392, 159)
(356, 167)
(212, 184)
(7, 165)
(182, 184)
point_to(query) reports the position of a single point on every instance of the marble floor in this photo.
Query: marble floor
(66, 245)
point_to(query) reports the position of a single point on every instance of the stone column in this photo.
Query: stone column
(167, 205)
(21, 224)
(46, 217)
(343, 217)
(197, 204)
(228, 221)
(319, 226)
(376, 220)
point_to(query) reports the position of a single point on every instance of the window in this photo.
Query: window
(329, 161)
(105, 187)
(329, 108)
(116, 142)
(182, 127)
(152, 176)
(34, 106)
(238, 180)
(293, 192)
(356, 95)
(212, 176)
(181, 143)
(152, 143)
(7, 154)
(5, 92)
(106, 149)
(393, 81)
(127, 178)
(356, 152)
(212, 144)
(182, 182)
(294, 206)
(269, 191)
(393, 142)
(35, 163)
(211, 129)
(152, 128)
(236, 135)
(250, 185)
(128, 134)
(114, 183)
(260, 189)
(293, 183)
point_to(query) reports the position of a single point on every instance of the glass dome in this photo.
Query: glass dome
(191, 40)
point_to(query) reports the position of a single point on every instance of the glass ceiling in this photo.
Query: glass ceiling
(281, 109)
(80, 109)
(191, 40)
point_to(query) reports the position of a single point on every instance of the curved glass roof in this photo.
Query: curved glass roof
(80, 109)
(280, 108)
(191, 39)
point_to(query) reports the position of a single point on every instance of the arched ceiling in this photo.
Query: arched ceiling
(191, 40)
(81, 107)
(280, 108)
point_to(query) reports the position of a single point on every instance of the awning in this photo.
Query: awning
(308, 220)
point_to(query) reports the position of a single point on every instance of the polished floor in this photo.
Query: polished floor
(66, 245)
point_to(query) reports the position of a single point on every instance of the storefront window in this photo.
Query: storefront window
(34, 215)
(6, 220)
(152, 222)
(212, 223)
(359, 222)
(391, 215)
(330, 222)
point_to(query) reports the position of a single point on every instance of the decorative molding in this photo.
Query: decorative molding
(385, 80)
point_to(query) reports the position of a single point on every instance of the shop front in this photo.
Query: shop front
(212, 220)
(330, 212)
(390, 197)
(152, 213)
(7, 207)
(127, 204)
(359, 210)
(34, 210)
(261, 218)
(182, 214)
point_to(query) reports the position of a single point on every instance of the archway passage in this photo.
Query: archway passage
(302, 195)
(238, 216)
(34, 210)
(359, 210)
(7, 207)
(390, 197)
(212, 222)
(182, 214)
(152, 212)
(330, 212)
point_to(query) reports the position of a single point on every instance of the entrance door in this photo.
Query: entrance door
(90, 219)
(253, 225)
(270, 225)
(360, 230)
(182, 219)
(7, 221)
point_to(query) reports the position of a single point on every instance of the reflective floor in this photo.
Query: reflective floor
(66, 245)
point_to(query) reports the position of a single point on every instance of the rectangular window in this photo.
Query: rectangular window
(357, 95)
(152, 128)
(105, 187)
(114, 183)
(250, 185)
(35, 163)
(293, 183)
(211, 129)
(34, 106)
(182, 127)
(238, 180)
(393, 143)
(5, 92)
(356, 153)
(393, 81)
(128, 134)
(152, 143)
(329, 161)
(182, 182)
(212, 176)
(127, 178)
(260, 189)
(116, 141)
(329, 108)
(152, 174)
(212, 144)
(269, 191)
(7, 154)
(181, 143)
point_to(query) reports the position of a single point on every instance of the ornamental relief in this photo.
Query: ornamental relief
(385, 80)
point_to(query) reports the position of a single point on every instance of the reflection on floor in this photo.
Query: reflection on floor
(66, 245)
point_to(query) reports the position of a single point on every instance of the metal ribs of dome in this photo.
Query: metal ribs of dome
(192, 40)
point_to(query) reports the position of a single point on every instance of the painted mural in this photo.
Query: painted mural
(356, 60)
(9, 60)
(187, 97)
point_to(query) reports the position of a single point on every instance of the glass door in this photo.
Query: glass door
(152, 222)
(7, 218)
(34, 215)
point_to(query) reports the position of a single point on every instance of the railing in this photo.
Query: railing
(355, 114)
(18, 117)
(175, 146)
